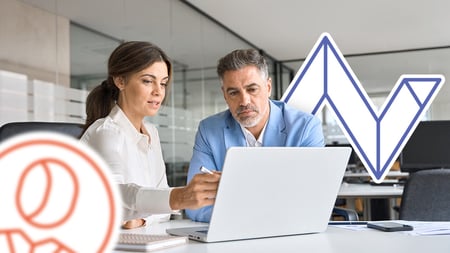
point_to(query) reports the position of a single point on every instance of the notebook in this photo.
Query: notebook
(147, 242)
(273, 191)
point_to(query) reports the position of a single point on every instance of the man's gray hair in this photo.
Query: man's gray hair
(241, 58)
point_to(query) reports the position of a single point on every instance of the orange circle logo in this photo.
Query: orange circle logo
(56, 193)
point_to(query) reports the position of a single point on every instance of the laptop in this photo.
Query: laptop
(273, 191)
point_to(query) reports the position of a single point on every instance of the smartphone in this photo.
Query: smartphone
(389, 226)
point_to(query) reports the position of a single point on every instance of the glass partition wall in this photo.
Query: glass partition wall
(72, 40)
(53, 47)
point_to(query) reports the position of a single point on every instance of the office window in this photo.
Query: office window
(193, 42)
(68, 48)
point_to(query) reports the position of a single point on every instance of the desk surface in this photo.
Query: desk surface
(348, 190)
(334, 240)
(397, 174)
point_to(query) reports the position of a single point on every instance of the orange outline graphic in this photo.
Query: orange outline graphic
(94, 165)
(44, 162)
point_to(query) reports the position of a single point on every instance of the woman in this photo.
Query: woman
(139, 75)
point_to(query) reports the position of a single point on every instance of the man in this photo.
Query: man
(252, 118)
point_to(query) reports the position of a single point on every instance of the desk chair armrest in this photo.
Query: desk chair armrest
(348, 214)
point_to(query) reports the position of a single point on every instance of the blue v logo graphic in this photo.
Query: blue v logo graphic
(377, 136)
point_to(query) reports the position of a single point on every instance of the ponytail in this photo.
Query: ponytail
(100, 101)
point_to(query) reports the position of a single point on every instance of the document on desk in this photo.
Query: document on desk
(420, 228)
(428, 227)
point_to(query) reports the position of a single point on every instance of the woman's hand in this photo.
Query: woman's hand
(201, 191)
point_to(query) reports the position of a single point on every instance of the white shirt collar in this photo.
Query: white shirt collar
(121, 119)
(250, 139)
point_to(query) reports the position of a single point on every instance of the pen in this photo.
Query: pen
(205, 170)
(347, 223)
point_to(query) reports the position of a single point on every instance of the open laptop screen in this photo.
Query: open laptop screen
(428, 147)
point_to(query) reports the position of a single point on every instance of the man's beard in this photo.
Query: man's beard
(248, 121)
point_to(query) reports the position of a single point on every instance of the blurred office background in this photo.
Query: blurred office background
(53, 52)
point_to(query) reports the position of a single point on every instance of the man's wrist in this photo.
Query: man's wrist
(175, 199)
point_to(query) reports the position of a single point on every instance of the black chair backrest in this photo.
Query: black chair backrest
(426, 196)
(13, 128)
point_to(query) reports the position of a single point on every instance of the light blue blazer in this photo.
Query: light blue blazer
(287, 126)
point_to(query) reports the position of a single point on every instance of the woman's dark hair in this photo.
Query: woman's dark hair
(127, 59)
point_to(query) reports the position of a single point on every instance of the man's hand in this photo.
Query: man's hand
(201, 191)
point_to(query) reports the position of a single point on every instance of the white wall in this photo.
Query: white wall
(34, 42)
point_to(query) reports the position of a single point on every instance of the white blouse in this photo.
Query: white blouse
(136, 164)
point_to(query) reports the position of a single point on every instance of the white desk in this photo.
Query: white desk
(394, 173)
(334, 240)
(367, 192)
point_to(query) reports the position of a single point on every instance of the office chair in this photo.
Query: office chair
(13, 128)
(426, 196)
(345, 213)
